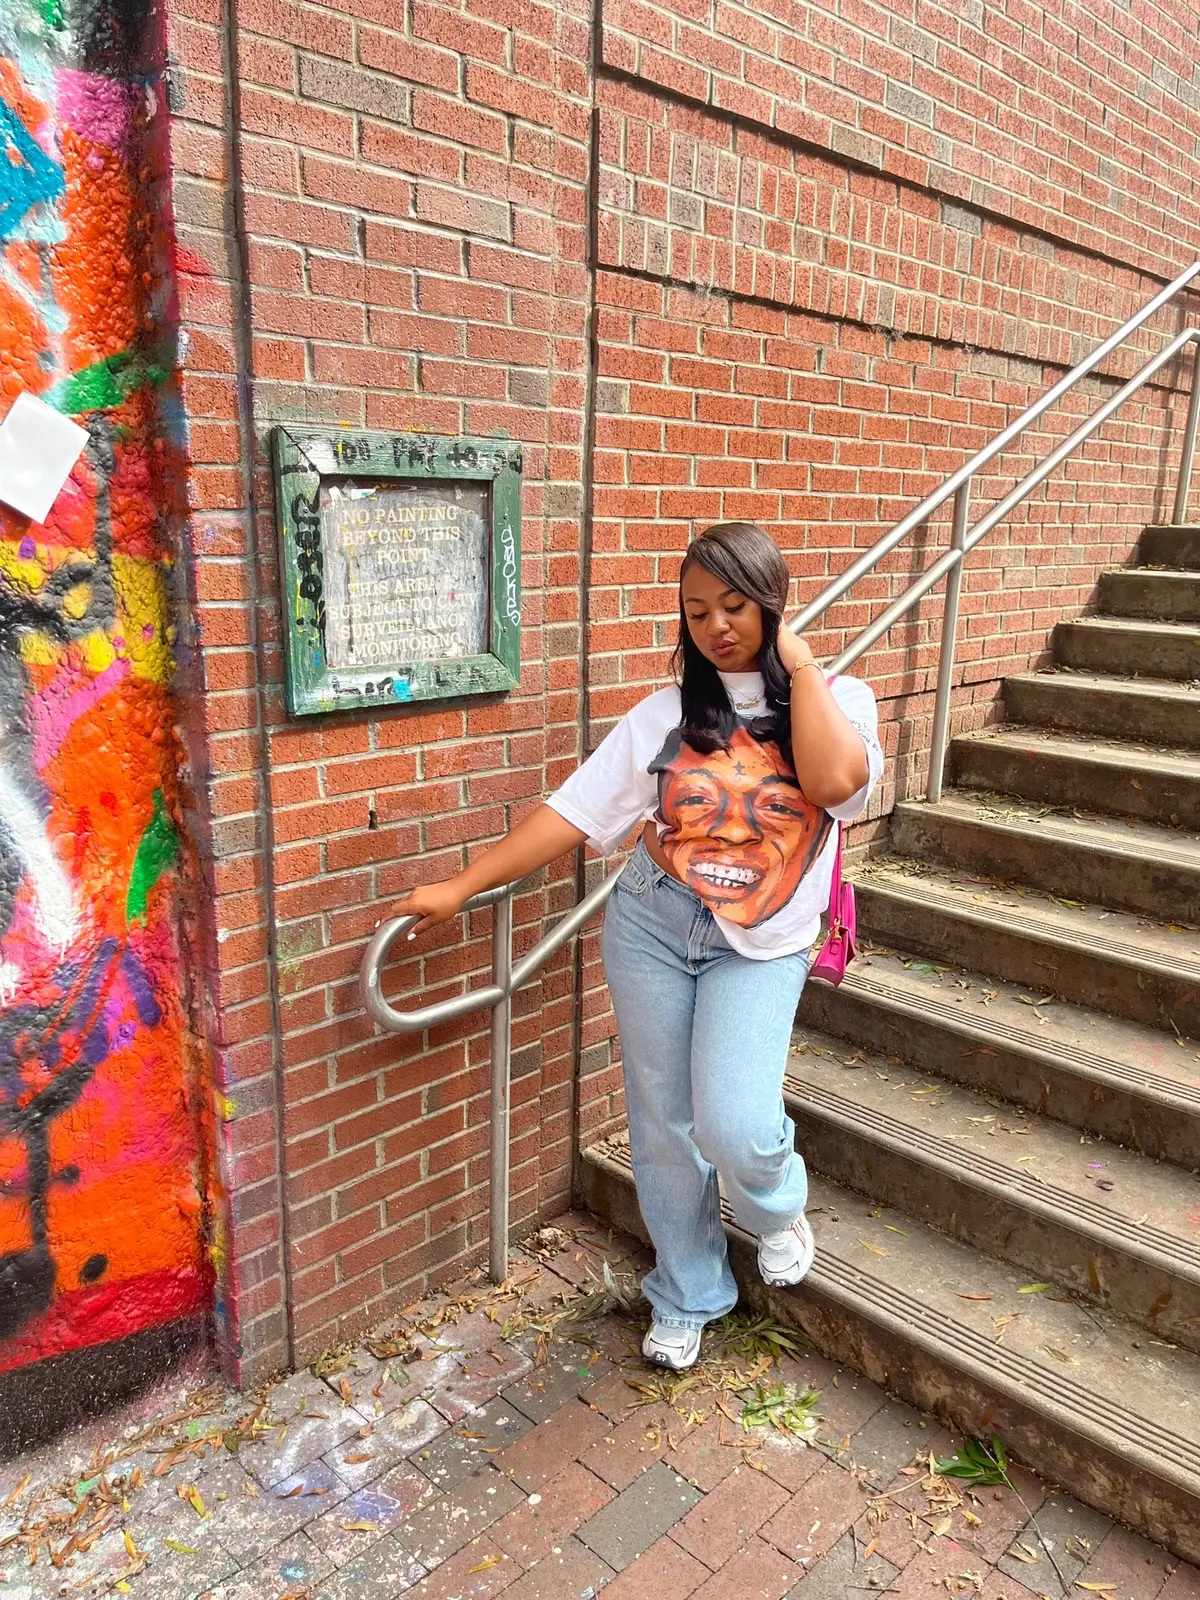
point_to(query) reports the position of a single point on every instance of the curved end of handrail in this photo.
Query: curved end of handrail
(370, 972)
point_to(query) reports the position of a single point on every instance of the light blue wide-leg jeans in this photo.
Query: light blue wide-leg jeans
(704, 1039)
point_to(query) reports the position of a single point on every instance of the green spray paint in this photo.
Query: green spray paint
(157, 849)
(107, 384)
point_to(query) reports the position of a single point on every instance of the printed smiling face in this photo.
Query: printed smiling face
(739, 831)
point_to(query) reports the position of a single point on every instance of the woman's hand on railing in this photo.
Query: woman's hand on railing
(433, 903)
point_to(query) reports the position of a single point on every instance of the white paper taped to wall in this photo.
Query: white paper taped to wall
(38, 448)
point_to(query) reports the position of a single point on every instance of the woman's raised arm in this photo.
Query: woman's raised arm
(827, 750)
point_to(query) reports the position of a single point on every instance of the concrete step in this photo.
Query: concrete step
(1164, 546)
(1130, 967)
(1090, 1400)
(1129, 646)
(1107, 707)
(1014, 1185)
(1058, 769)
(1110, 861)
(1097, 1074)
(1151, 592)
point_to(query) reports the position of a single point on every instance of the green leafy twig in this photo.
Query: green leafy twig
(749, 1335)
(976, 1463)
(784, 1407)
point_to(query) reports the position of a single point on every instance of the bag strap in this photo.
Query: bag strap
(835, 883)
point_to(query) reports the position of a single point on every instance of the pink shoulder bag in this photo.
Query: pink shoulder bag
(836, 954)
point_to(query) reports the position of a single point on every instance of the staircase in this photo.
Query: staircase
(1000, 1107)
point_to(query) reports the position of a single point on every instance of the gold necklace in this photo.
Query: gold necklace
(746, 705)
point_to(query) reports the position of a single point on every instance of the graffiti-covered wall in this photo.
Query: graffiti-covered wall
(101, 1184)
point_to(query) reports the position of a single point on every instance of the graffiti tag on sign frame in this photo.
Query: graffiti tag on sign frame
(402, 567)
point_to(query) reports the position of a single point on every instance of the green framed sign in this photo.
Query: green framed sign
(401, 561)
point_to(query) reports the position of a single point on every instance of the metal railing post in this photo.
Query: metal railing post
(941, 705)
(501, 1079)
(1188, 455)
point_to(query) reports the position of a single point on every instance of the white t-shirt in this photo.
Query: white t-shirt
(734, 825)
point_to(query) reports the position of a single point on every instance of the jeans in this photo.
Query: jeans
(704, 1037)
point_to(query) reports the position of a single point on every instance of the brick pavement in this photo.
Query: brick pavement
(488, 1446)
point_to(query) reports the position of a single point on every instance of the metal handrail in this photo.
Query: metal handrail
(964, 541)
(496, 997)
(921, 514)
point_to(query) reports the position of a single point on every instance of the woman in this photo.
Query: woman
(739, 776)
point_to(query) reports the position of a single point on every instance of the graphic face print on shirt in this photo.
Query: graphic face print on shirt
(739, 831)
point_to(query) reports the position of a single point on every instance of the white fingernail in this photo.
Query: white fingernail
(412, 935)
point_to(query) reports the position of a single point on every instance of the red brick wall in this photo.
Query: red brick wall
(415, 259)
(793, 263)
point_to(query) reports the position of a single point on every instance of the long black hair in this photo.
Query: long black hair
(744, 558)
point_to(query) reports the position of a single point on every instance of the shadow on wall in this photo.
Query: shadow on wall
(102, 1180)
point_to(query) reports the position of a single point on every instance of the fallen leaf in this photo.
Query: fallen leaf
(190, 1493)
(1096, 1588)
(346, 1392)
(1024, 1553)
(1060, 1355)
(875, 1249)
(358, 1458)
(1035, 1288)
(18, 1489)
(871, 1549)
(360, 1527)
(1161, 1304)
(292, 1493)
(130, 1547)
(493, 1560)
(181, 1549)
(962, 1296)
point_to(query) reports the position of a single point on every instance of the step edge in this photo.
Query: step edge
(1032, 1046)
(1046, 934)
(1020, 827)
(1045, 1199)
(1154, 574)
(1111, 758)
(1166, 689)
(1102, 621)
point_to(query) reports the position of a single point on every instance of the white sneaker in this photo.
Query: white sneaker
(676, 1348)
(786, 1257)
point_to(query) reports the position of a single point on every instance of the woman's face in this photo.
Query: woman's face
(739, 831)
(726, 627)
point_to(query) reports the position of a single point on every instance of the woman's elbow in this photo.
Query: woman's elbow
(834, 789)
